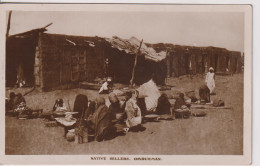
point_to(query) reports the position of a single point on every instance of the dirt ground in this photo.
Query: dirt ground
(219, 133)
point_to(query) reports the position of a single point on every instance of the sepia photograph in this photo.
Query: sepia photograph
(109, 80)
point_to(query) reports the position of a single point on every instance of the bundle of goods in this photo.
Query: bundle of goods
(166, 117)
(199, 114)
(183, 112)
(218, 103)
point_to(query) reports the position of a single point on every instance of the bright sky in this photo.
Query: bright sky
(195, 29)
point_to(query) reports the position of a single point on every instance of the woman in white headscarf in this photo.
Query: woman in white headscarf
(133, 112)
(210, 79)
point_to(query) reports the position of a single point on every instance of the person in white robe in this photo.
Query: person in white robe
(210, 79)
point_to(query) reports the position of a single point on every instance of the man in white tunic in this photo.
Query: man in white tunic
(210, 79)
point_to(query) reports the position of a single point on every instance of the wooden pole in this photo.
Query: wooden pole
(47, 25)
(133, 73)
(8, 24)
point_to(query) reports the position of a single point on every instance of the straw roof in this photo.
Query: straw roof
(131, 46)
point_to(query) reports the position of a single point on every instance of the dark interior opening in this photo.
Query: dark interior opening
(203, 63)
(187, 63)
(235, 65)
(121, 67)
(216, 63)
(20, 58)
(227, 62)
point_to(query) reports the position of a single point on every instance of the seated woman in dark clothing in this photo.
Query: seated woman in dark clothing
(204, 93)
(180, 106)
(115, 106)
(163, 105)
(140, 101)
(80, 106)
(179, 102)
(103, 121)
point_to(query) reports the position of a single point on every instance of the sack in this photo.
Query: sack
(218, 103)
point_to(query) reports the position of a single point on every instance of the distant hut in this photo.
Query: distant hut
(182, 60)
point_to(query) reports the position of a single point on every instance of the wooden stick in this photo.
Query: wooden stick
(47, 25)
(133, 73)
(8, 24)
(202, 107)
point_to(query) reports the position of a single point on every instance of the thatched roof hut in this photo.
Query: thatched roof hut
(53, 61)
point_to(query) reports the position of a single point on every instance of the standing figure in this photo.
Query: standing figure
(210, 80)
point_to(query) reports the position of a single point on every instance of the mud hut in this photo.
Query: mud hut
(54, 61)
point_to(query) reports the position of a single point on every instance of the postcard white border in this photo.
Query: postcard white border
(167, 159)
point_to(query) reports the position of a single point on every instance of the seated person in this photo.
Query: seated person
(89, 115)
(102, 120)
(133, 112)
(204, 93)
(140, 101)
(21, 110)
(106, 87)
(115, 106)
(163, 105)
(179, 101)
(59, 105)
(19, 104)
(128, 96)
(180, 105)
(91, 110)
(18, 99)
(9, 105)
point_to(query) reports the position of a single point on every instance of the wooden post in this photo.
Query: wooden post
(8, 24)
(133, 73)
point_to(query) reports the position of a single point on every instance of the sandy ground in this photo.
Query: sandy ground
(220, 132)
